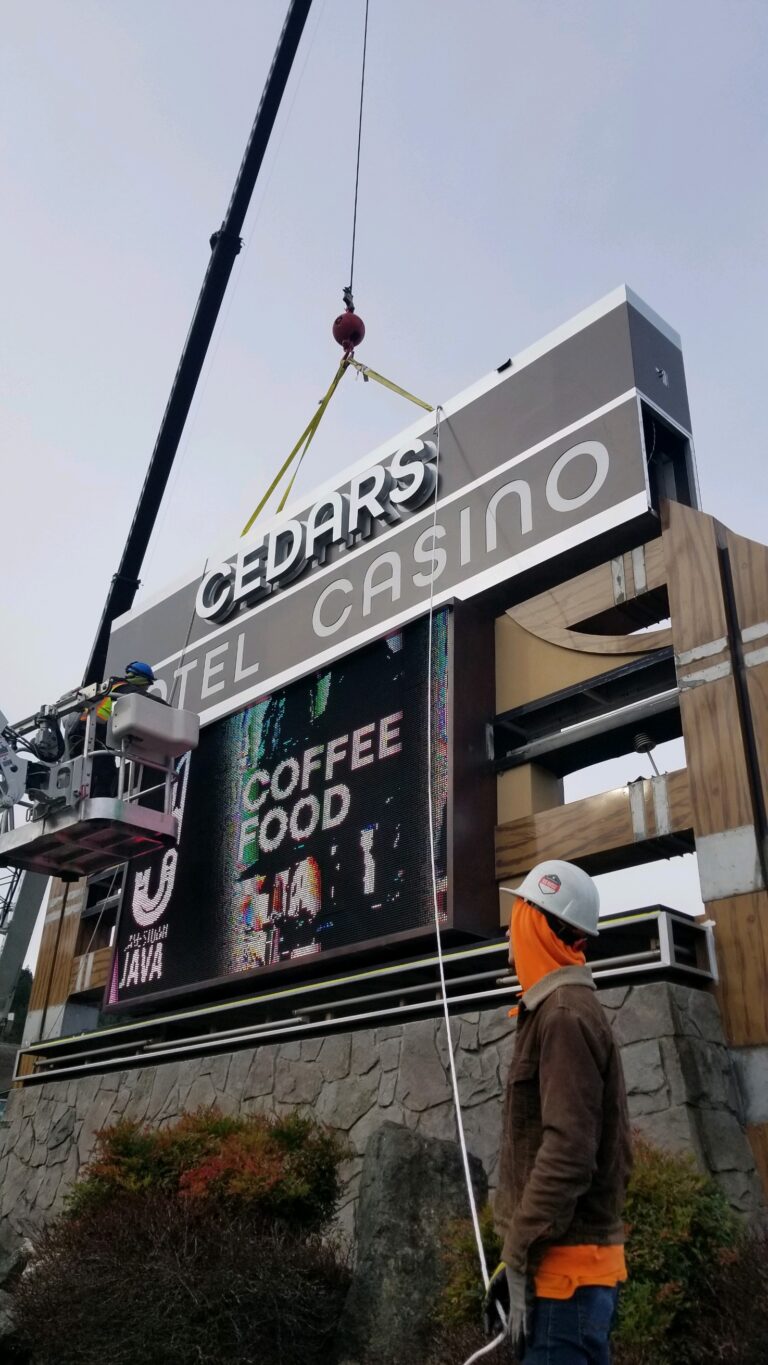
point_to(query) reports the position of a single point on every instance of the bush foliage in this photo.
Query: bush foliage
(680, 1228)
(164, 1281)
(192, 1245)
(698, 1282)
(284, 1169)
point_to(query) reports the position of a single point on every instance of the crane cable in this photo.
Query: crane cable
(349, 361)
(359, 144)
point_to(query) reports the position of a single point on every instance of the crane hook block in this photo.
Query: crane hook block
(348, 330)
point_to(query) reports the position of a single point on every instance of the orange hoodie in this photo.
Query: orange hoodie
(537, 951)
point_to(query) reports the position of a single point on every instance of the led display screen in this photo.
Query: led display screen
(304, 826)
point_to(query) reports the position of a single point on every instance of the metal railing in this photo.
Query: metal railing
(653, 943)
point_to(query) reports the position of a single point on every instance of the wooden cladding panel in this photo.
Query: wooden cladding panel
(749, 569)
(524, 790)
(757, 691)
(592, 593)
(90, 971)
(607, 645)
(602, 831)
(528, 667)
(62, 943)
(749, 572)
(693, 577)
(716, 762)
(741, 938)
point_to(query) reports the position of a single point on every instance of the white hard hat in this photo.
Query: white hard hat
(565, 891)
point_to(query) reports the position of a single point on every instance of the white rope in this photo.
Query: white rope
(441, 966)
(486, 1350)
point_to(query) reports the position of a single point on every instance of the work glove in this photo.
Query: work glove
(507, 1291)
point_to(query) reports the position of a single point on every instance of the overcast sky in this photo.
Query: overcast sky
(520, 159)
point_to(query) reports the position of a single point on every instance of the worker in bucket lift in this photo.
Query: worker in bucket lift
(565, 1155)
(138, 677)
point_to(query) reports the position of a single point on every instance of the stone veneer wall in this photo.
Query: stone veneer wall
(680, 1080)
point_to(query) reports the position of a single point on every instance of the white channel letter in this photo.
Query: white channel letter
(215, 594)
(391, 583)
(211, 670)
(249, 583)
(181, 672)
(414, 478)
(241, 670)
(368, 493)
(318, 625)
(599, 454)
(328, 530)
(285, 553)
(523, 492)
(426, 551)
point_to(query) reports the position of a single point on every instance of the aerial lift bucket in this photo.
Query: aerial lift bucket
(71, 829)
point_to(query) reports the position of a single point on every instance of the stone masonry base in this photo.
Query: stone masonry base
(680, 1079)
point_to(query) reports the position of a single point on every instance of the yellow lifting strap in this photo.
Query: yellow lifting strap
(307, 435)
(368, 373)
(304, 440)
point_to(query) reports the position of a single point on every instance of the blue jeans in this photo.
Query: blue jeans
(573, 1331)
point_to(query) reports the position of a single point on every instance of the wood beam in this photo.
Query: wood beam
(90, 971)
(615, 829)
(606, 588)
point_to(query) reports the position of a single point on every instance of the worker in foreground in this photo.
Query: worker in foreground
(566, 1155)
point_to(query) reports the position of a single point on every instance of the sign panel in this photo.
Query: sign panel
(304, 827)
(538, 458)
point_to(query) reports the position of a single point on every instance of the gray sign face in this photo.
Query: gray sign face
(531, 462)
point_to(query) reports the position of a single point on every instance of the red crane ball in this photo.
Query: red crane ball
(348, 330)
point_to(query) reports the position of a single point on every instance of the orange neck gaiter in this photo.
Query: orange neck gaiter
(537, 949)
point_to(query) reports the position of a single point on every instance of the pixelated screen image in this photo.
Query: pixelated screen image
(304, 826)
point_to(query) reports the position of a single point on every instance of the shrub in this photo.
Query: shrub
(462, 1298)
(283, 1169)
(168, 1281)
(678, 1225)
(192, 1245)
(698, 1283)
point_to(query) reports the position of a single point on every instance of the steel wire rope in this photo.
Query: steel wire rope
(501, 1336)
(231, 295)
(359, 144)
(485, 1350)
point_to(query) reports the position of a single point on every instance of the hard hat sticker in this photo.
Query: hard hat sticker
(550, 883)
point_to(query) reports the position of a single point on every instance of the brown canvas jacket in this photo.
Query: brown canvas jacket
(565, 1154)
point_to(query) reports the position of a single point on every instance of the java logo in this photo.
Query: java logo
(147, 906)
